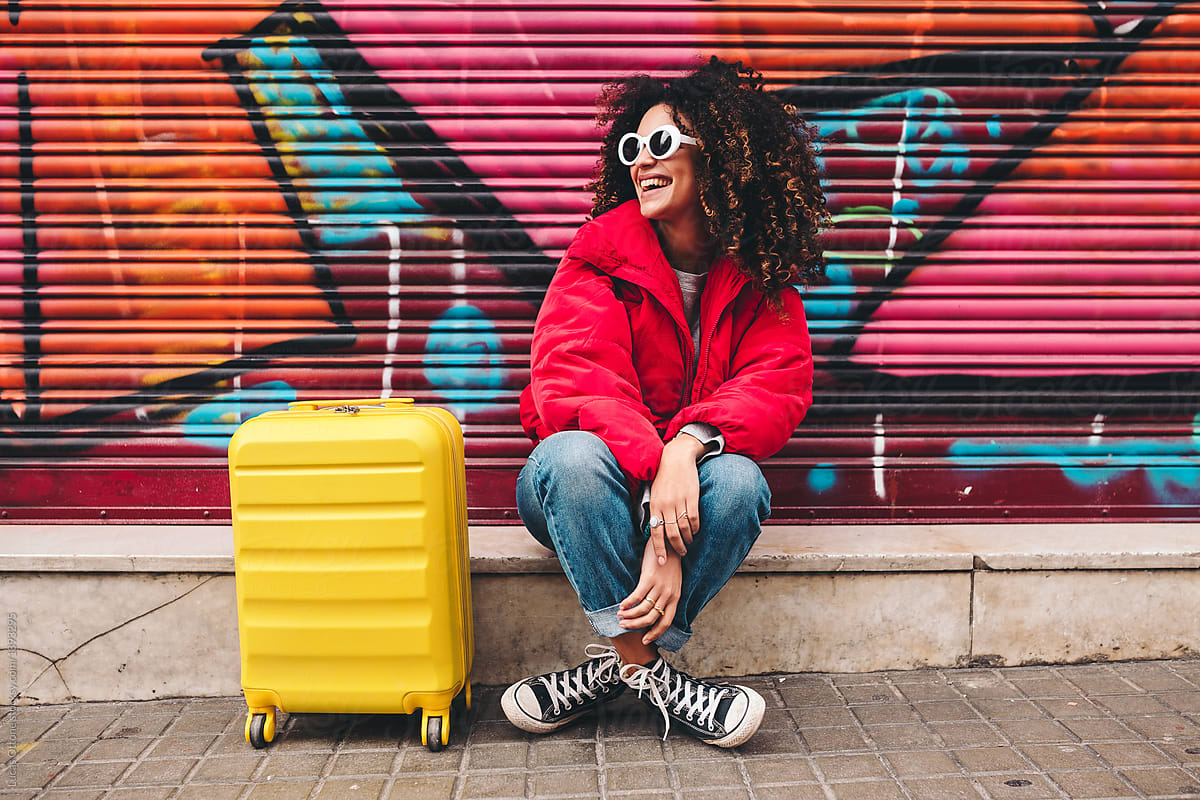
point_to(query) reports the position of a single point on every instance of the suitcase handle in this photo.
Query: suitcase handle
(350, 406)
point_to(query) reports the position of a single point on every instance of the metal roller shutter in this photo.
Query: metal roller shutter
(208, 209)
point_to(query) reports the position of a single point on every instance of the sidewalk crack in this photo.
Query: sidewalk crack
(56, 662)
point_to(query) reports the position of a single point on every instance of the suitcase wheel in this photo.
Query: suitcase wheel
(260, 729)
(435, 730)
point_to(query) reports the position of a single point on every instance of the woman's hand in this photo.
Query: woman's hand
(659, 587)
(675, 496)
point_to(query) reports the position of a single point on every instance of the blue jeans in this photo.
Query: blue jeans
(573, 498)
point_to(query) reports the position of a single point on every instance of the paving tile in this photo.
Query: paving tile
(1061, 756)
(211, 791)
(921, 763)
(685, 748)
(352, 789)
(138, 723)
(777, 743)
(773, 769)
(1131, 704)
(1019, 786)
(80, 727)
(213, 722)
(494, 785)
(984, 687)
(59, 751)
(1162, 727)
(182, 746)
(1129, 754)
(228, 768)
(418, 759)
(1091, 784)
(71, 794)
(637, 776)
(966, 734)
(1155, 678)
(723, 793)
(804, 696)
(849, 767)
(631, 750)
(833, 739)
(1045, 688)
(549, 753)
(942, 789)
(1101, 684)
(1064, 708)
(1034, 730)
(946, 711)
(885, 714)
(1186, 752)
(567, 781)
(868, 790)
(513, 755)
(798, 791)
(1010, 708)
(110, 749)
(101, 773)
(903, 737)
(282, 790)
(1098, 730)
(368, 763)
(161, 770)
(708, 773)
(870, 693)
(295, 765)
(924, 692)
(1188, 702)
(410, 787)
(1167, 781)
(141, 793)
(991, 759)
(823, 717)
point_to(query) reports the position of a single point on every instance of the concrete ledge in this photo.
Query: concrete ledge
(781, 548)
(138, 612)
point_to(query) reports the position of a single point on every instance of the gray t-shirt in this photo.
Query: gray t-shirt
(691, 286)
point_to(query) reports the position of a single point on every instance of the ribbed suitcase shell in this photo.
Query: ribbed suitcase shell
(352, 568)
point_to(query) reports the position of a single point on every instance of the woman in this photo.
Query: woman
(670, 354)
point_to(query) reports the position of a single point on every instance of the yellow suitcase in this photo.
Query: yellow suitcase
(351, 562)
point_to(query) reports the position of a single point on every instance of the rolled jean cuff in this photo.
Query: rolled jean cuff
(606, 623)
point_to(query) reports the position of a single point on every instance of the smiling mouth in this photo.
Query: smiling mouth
(649, 184)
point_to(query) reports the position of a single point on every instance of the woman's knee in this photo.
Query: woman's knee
(576, 462)
(732, 483)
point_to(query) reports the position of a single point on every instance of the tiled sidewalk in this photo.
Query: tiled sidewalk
(1090, 731)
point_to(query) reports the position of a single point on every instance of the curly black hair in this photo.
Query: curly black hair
(757, 174)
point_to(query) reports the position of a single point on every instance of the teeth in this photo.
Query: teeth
(655, 183)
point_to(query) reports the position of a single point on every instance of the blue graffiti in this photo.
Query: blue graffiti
(462, 357)
(213, 423)
(312, 128)
(1171, 467)
(822, 478)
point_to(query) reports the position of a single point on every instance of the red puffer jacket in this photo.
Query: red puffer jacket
(612, 353)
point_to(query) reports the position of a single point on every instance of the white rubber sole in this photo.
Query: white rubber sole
(754, 715)
(508, 704)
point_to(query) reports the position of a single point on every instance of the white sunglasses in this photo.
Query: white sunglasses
(662, 142)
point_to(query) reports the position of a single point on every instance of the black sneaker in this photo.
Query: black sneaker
(720, 714)
(545, 703)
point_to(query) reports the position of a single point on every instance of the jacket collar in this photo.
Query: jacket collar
(622, 243)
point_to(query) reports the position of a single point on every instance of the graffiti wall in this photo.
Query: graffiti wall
(210, 209)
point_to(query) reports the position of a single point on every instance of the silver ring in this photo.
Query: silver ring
(655, 521)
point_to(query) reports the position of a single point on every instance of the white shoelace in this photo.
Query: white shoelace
(572, 685)
(692, 699)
